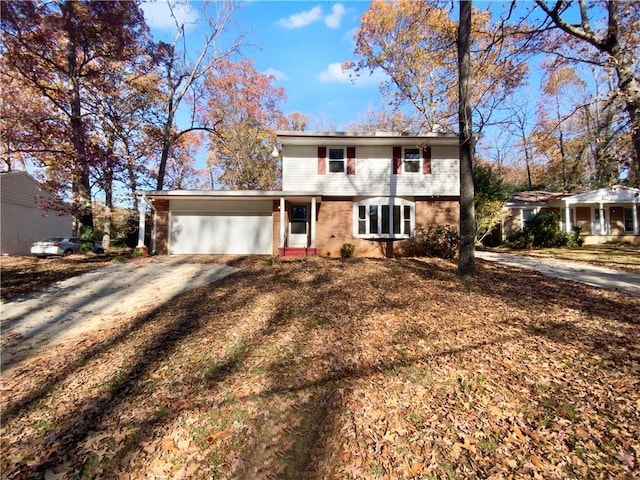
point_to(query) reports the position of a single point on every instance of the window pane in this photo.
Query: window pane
(373, 219)
(412, 166)
(336, 166)
(385, 219)
(298, 212)
(336, 154)
(527, 216)
(407, 220)
(628, 219)
(396, 219)
(362, 220)
(412, 153)
(298, 227)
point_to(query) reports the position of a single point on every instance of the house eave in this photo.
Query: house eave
(288, 137)
(223, 194)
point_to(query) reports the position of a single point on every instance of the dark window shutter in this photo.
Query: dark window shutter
(426, 160)
(322, 160)
(351, 160)
(397, 160)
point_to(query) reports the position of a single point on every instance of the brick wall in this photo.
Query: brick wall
(335, 226)
(162, 226)
(437, 212)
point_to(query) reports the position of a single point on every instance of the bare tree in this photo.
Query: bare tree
(182, 76)
(616, 47)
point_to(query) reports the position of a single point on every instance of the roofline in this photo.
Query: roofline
(291, 137)
(246, 194)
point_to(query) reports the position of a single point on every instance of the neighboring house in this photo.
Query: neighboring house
(369, 190)
(605, 215)
(24, 218)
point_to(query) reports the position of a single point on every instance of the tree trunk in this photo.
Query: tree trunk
(81, 186)
(466, 262)
(166, 147)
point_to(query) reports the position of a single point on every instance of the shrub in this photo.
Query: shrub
(347, 249)
(542, 232)
(440, 241)
(546, 231)
(520, 239)
(576, 240)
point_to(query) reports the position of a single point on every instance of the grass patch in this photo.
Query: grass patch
(617, 256)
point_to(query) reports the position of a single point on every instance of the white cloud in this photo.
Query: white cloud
(158, 15)
(334, 74)
(278, 74)
(302, 19)
(334, 19)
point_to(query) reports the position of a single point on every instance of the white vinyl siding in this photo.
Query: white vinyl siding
(373, 175)
(23, 219)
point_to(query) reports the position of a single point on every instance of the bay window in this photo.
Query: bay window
(384, 217)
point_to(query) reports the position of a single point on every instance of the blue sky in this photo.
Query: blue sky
(302, 43)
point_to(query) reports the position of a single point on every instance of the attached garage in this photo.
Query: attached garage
(231, 226)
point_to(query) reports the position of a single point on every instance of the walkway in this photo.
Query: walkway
(608, 278)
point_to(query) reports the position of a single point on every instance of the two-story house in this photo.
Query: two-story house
(369, 190)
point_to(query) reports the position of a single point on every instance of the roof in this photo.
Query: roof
(613, 194)
(291, 137)
(536, 197)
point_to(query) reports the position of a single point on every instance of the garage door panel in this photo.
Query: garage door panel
(240, 233)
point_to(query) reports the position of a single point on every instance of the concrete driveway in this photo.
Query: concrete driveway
(618, 280)
(89, 301)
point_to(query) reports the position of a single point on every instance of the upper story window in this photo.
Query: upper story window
(411, 160)
(384, 218)
(336, 160)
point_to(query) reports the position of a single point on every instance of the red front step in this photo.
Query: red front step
(297, 251)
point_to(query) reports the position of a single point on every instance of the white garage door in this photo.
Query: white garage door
(236, 233)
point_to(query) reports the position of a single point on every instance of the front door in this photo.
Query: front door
(298, 225)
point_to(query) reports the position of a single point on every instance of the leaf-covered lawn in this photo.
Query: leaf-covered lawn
(23, 275)
(354, 369)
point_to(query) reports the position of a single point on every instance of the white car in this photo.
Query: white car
(56, 246)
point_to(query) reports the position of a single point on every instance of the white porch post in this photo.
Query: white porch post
(313, 222)
(636, 227)
(601, 207)
(282, 224)
(567, 218)
(142, 209)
